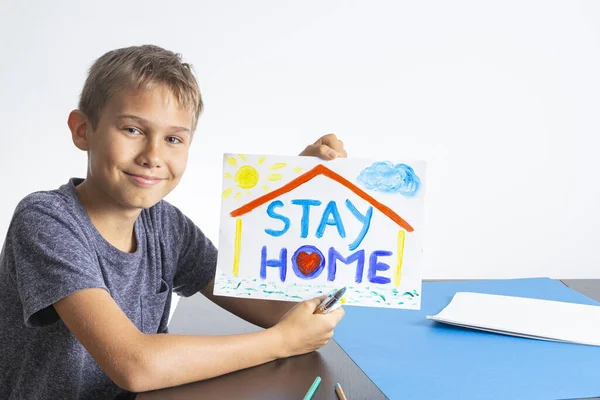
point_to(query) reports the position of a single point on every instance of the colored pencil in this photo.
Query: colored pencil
(340, 392)
(313, 388)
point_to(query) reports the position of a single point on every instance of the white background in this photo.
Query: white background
(502, 99)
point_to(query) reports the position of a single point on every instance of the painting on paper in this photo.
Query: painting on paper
(293, 228)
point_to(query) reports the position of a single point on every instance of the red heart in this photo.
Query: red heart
(307, 263)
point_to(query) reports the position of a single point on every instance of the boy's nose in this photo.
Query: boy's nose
(150, 156)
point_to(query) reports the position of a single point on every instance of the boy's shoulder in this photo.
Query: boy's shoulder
(62, 206)
(43, 199)
(60, 199)
(44, 210)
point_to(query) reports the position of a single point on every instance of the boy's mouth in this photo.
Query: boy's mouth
(144, 180)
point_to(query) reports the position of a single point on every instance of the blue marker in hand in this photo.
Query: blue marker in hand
(331, 302)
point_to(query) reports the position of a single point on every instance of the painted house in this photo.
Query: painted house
(308, 261)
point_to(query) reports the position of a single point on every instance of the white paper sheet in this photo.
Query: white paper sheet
(519, 316)
(293, 228)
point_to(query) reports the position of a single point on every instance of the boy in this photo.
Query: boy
(87, 270)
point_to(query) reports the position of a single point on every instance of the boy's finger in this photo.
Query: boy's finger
(314, 302)
(327, 153)
(334, 143)
(337, 146)
(320, 150)
(337, 314)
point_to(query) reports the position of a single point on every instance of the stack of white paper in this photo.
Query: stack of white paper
(518, 316)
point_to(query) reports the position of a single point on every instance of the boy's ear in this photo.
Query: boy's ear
(80, 127)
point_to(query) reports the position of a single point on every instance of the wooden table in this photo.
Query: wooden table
(282, 379)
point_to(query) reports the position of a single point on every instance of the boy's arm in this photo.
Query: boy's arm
(266, 313)
(139, 362)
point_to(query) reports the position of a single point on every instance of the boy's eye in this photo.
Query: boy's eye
(173, 140)
(133, 131)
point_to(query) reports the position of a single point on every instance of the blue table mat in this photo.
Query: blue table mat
(410, 357)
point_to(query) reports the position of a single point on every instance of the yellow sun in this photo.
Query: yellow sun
(247, 176)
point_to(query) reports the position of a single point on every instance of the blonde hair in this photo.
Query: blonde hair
(135, 68)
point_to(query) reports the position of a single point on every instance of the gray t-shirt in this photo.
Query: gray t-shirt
(52, 249)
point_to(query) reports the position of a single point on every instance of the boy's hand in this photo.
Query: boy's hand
(301, 331)
(327, 147)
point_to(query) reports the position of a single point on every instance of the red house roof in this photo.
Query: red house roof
(307, 176)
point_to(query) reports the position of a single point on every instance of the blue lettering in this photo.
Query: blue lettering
(308, 265)
(331, 211)
(359, 257)
(375, 266)
(281, 263)
(364, 219)
(271, 213)
(305, 203)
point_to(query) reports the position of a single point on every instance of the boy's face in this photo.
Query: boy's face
(138, 152)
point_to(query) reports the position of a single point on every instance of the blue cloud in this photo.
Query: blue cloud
(383, 176)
